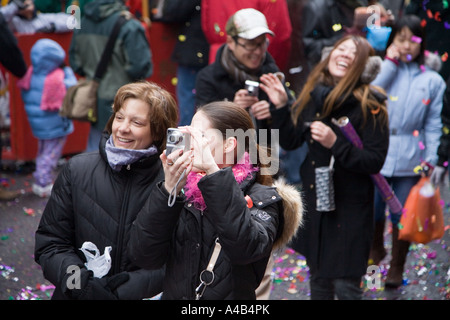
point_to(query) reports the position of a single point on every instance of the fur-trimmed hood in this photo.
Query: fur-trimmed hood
(293, 212)
(433, 61)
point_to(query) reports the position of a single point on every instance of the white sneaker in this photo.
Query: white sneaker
(43, 192)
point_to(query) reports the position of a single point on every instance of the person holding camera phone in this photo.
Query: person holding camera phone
(243, 57)
(97, 196)
(215, 246)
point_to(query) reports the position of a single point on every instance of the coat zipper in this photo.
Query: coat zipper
(122, 218)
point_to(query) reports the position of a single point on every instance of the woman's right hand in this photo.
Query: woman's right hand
(243, 99)
(174, 165)
(392, 52)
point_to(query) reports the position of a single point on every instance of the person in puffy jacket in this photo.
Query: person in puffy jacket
(43, 88)
(98, 195)
(229, 209)
(415, 90)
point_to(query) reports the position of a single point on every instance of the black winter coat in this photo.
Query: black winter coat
(336, 244)
(183, 238)
(91, 202)
(191, 48)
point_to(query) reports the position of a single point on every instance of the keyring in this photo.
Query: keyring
(205, 282)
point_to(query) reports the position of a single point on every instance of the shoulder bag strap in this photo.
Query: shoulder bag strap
(107, 52)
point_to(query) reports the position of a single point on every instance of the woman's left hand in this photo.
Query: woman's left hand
(201, 142)
(323, 134)
(274, 89)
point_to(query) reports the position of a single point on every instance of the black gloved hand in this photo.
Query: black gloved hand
(91, 288)
(116, 281)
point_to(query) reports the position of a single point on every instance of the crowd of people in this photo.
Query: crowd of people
(153, 197)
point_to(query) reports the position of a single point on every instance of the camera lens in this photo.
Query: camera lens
(175, 137)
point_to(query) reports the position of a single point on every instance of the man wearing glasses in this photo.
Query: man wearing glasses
(243, 57)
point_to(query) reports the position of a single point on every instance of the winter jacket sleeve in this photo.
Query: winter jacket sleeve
(206, 87)
(433, 122)
(137, 50)
(11, 56)
(54, 238)
(153, 229)
(369, 159)
(291, 136)
(252, 231)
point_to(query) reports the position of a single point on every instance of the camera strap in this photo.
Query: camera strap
(172, 194)
(209, 269)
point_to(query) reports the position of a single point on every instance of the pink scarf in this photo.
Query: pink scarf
(54, 89)
(241, 171)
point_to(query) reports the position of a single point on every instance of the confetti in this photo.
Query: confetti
(28, 211)
(416, 39)
(336, 27)
(393, 98)
(426, 101)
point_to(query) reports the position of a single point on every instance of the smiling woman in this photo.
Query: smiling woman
(98, 195)
(336, 243)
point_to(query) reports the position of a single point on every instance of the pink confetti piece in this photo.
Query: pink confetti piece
(416, 39)
(421, 145)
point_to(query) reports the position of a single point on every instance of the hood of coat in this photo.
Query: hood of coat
(101, 9)
(46, 55)
(293, 212)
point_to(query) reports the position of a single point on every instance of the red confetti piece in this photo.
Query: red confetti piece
(28, 211)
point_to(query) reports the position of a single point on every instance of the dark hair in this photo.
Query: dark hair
(228, 117)
(413, 23)
(162, 111)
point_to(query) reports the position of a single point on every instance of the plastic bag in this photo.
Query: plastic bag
(378, 37)
(99, 264)
(422, 219)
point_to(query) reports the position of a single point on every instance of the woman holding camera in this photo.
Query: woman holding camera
(336, 243)
(97, 196)
(218, 235)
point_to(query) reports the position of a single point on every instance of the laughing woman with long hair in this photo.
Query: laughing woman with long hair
(336, 243)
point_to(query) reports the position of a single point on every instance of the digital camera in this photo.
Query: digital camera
(177, 140)
(252, 87)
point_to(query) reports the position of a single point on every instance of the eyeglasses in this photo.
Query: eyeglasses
(252, 46)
